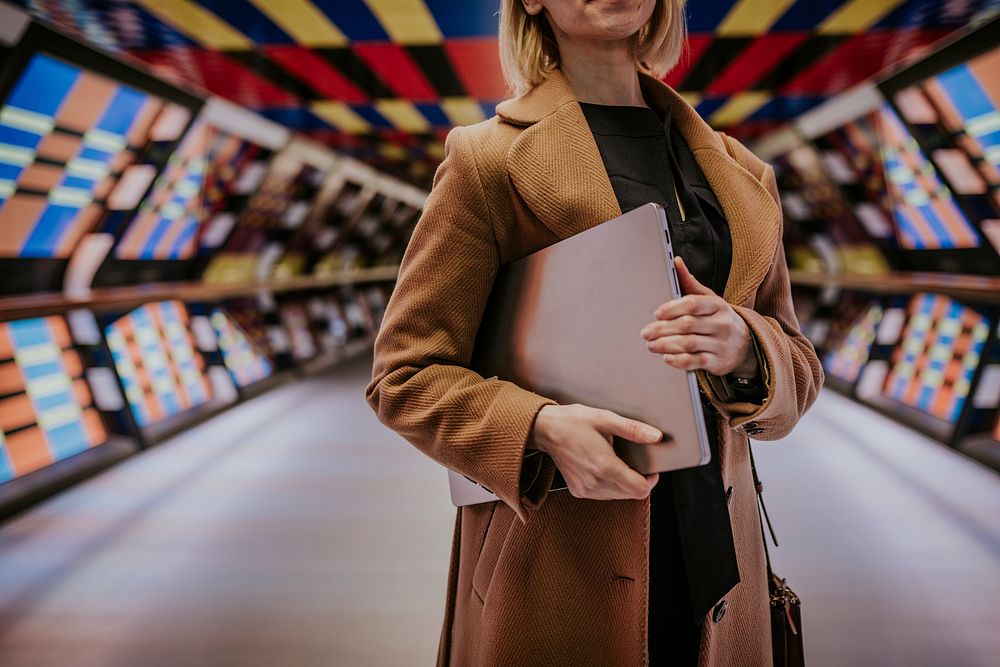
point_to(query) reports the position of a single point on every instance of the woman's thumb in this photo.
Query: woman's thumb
(688, 283)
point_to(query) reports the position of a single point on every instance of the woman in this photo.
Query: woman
(622, 569)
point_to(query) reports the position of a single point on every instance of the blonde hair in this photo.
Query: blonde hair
(528, 50)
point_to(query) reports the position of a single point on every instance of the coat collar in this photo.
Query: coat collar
(557, 169)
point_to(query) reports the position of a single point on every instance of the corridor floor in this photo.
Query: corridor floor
(296, 530)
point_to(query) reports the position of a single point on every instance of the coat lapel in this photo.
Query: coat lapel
(555, 163)
(557, 169)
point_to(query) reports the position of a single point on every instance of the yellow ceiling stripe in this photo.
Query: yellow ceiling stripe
(340, 116)
(198, 23)
(857, 15)
(462, 110)
(752, 17)
(403, 115)
(304, 21)
(692, 98)
(435, 149)
(738, 107)
(406, 21)
(392, 151)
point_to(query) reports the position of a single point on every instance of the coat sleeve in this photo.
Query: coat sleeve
(792, 372)
(421, 385)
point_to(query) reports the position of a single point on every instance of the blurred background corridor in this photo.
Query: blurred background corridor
(203, 208)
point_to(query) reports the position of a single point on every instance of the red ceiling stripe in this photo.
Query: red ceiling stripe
(215, 72)
(396, 68)
(696, 46)
(858, 58)
(316, 72)
(752, 128)
(336, 139)
(477, 63)
(757, 60)
(397, 136)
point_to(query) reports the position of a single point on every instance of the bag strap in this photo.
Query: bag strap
(762, 513)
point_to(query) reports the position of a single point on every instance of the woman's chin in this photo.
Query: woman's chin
(613, 19)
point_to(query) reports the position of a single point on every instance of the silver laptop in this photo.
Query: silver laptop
(564, 322)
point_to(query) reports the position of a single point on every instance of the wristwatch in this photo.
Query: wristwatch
(747, 389)
(751, 389)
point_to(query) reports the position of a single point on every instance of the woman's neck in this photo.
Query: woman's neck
(600, 72)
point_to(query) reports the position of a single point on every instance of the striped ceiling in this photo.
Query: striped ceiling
(384, 80)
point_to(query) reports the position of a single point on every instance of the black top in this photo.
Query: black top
(643, 152)
(644, 155)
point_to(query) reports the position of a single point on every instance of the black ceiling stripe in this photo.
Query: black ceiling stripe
(263, 66)
(437, 68)
(355, 69)
(714, 61)
(798, 61)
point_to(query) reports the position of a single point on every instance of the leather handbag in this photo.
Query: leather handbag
(786, 607)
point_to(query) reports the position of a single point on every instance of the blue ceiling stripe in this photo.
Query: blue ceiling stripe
(706, 15)
(369, 113)
(461, 18)
(806, 14)
(298, 118)
(434, 115)
(709, 105)
(353, 18)
(781, 108)
(249, 20)
(489, 108)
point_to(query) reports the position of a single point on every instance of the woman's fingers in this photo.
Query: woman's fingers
(692, 304)
(685, 324)
(685, 343)
(579, 440)
(607, 478)
(688, 283)
(636, 485)
(693, 361)
(630, 429)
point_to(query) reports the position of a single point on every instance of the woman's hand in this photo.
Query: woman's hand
(579, 438)
(700, 331)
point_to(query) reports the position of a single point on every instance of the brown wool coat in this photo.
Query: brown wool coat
(543, 578)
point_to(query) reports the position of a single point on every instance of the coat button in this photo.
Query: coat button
(720, 611)
(729, 494)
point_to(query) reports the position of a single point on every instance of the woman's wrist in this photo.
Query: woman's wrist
(536, 439)
(750, 367)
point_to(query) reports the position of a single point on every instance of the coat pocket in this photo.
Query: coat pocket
(497, 530)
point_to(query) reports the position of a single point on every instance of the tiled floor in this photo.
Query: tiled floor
(295, 530)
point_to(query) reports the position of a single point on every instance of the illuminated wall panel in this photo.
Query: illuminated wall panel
(154, 353)
(245, 361)
(296, 322)
(65, 133)
(941, 347)
(847, 358)
(199, 179)
(248, 315)
(925, 211)
(969, 97)
(46, 409)
(166, 223)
